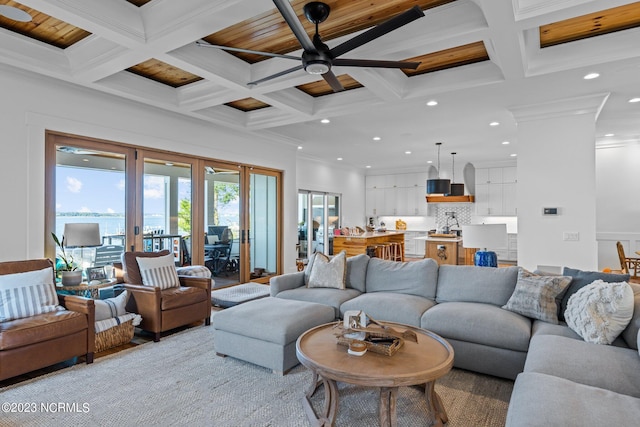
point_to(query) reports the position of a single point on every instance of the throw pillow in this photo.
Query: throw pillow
(599, 312)
(159, 272)
(327, 273)
(535, 296)
(582, 279)
(111, 307)
(27, 294)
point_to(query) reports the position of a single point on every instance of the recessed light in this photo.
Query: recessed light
(505, 143)
(634, 100)
(494, 124)
(609, 134)
(299, 147)
(591, 76)
(325, 121)
(376, 138)
(432, 103)
(514, 155)
(85, 160)
(368, 166)
(339, 158)
(407, 152)
(429, 161)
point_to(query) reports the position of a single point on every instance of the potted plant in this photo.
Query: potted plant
(69, 273)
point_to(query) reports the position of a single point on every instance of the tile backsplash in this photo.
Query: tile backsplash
(463, 214)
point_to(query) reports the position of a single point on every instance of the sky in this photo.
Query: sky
(102, 191)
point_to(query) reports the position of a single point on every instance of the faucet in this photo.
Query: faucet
(450, 216)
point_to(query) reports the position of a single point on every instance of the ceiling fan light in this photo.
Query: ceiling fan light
(317, 67)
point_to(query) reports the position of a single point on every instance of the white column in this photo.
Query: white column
(556, 169)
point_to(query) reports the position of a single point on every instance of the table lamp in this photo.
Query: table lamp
(485, 236)
(82, 235)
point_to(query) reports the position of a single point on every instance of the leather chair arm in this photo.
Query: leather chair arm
(145, 301)
(85, 306)
(196, 282)
(141, 288)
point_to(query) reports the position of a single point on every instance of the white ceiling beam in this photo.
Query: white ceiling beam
(384, 83)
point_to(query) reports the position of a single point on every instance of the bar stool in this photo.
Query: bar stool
(383, 251)
(396, 252)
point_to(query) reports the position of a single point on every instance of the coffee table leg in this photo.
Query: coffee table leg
(330, 408)
(387, 410)
(437, 414)
(314, 385)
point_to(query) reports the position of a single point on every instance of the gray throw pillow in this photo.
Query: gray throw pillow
(535, 296)
(328, 273)
(582, 279)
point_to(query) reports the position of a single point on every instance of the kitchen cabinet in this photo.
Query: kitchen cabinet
(510, 252)
(496, 191)
(414, 248)
(398, 194)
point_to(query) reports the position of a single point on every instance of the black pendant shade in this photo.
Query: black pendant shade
(438, 186)
(456, 190)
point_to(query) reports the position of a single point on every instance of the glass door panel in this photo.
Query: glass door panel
(263, 233)
(318, 210)
(90, 187)
(166, 205)
(222, 223)
(303, 226)
(333, 218)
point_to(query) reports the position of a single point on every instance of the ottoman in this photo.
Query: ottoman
(264, 331)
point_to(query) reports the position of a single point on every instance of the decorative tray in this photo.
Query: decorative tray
(447, 236)
(378, 337)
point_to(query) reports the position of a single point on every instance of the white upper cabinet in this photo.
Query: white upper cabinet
(399, 194)
(496, 191)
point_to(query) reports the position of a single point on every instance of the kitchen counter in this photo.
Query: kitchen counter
(439, 239)
(355, 245)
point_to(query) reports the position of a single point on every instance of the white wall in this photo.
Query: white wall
(618, 201)
(30, 104)
(315, 175)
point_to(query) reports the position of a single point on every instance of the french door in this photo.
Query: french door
(207, 212)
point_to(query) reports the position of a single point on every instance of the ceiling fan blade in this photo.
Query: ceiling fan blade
(237, 49)
(294, 23)
(273, 76)
(333, 81)
(378, 31)
(375, 64)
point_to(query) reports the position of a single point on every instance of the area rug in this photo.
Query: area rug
(180, 381)
(234, 295)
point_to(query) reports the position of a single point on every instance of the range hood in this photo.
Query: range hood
(450, 199)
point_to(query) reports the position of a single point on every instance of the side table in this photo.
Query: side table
(85, 289)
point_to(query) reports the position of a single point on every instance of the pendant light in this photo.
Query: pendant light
(456, 189)
(438, 186)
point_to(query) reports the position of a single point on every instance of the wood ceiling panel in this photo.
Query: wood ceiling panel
(164, 73)
(449, 58)
(593, 24)
(269, 32)
(43, 27)
(247, 104)
(321, 87)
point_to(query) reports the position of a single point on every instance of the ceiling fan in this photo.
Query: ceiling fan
(317, 57)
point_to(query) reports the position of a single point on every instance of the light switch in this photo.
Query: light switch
(571, 236)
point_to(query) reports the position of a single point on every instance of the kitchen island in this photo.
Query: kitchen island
(447, 250)
(356, 245)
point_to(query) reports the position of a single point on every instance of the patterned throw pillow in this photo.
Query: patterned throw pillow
(111, 307)
(535, 296)
(327, 273)
(599, 312)
(158, 272)
(27, 294)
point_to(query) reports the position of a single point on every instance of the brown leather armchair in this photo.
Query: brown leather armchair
(165, 309)
(45, 339)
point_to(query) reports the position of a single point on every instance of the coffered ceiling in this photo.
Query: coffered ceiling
(478, 58)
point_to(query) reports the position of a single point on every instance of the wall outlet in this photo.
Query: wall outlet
(571, 236)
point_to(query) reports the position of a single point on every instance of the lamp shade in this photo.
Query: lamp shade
(82, 235)
(484, 236)
(438, 186)
(456, 190)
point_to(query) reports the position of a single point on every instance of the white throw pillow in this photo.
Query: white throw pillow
(600, 311)
(327, 273)
(159, 272)
(27, 294)
(111, 307)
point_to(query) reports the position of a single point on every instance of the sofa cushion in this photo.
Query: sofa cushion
(328, 273)
(544, 328)
(390, 307)
(535, 295)
(326, 296)
(182, 296)
(479, 323)
(159, 272)
(599, 312)
(468, 283)
(612, 368)
(414, 278)
(540, 400)
(580, 279)
(630, 333)
(27, 294)
(39, 328)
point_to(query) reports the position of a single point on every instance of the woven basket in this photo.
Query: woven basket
(113, 337)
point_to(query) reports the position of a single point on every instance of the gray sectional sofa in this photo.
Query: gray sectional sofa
(560, 379)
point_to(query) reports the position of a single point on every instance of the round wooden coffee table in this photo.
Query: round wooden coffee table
(414, 364)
